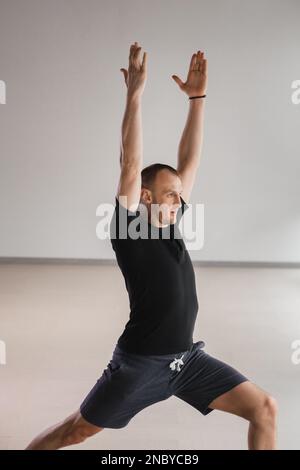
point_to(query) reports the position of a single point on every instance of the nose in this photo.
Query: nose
(178, 201)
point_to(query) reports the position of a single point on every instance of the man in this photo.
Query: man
(155, 356)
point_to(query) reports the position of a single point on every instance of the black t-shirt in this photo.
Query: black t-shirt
(160, 280)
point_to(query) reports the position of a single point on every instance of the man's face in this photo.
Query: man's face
(166, 190)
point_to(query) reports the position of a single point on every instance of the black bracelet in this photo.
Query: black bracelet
(193, 97)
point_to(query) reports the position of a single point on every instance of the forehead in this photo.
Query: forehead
(166, 180)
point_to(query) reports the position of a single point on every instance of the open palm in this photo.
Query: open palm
(196, 82)
(136, 75)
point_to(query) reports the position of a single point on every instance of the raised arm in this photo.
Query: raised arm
(190, 145)
(131, 145)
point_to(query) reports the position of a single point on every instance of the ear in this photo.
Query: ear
(146, 196)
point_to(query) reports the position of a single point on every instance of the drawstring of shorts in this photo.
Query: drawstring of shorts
(177, 363)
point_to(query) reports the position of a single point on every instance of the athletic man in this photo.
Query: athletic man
(155, 357)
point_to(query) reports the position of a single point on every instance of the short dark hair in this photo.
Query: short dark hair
(149, 173)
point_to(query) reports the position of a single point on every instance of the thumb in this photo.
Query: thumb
(177, 80)
(124, 71)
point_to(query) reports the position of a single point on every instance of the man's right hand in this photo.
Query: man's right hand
(136, 75)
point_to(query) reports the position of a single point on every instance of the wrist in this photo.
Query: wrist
(134, 96)
(197, 96)
(197, 104)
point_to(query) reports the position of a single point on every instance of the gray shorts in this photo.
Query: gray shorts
(132, 382)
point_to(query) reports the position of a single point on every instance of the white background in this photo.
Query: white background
(60, 127)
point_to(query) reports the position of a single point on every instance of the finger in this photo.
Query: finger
(131, 54)
(144, 63)
(132, 47)
(124, 71)
(198, 63)
(177, 80)
(193, 60)
(202, 67)
(136, 57)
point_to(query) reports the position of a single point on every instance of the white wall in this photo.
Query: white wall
(60, 126)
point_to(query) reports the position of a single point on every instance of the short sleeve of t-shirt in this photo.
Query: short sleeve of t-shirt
(121, 219)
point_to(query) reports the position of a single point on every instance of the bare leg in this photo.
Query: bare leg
(258, 407)
(73, 430)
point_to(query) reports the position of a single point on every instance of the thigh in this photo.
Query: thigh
(242, 400)
(129, 384)
(204, 378)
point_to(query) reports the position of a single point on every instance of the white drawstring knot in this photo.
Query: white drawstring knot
(177, 363)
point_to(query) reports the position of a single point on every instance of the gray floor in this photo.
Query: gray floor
(59, 324)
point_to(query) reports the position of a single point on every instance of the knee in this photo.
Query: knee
(266, 412)
(270, 407)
